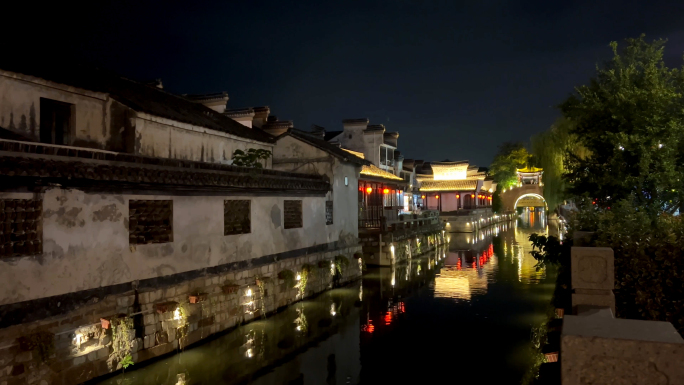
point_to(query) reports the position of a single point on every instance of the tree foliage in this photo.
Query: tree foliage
(510, 157)
(252, 158)
(630, 118)
(649, 267)
(551, 150)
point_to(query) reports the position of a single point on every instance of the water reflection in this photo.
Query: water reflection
(475, 300)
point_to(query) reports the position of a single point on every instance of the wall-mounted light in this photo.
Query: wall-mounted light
(346, 181)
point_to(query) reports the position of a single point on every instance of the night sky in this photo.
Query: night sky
(455, 79)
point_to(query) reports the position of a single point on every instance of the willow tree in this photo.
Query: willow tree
(631, 119)
(551, 151)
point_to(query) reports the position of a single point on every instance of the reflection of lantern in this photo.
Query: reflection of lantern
(369, 190)
(385, 191)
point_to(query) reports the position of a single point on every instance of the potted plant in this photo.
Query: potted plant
(229, 287)
(196, 296)
(165, 307)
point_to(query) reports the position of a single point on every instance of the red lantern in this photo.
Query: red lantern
(422, 196)
(457, 196)
(385, 191)
(436, 196)
(369, 190)
(472, 195)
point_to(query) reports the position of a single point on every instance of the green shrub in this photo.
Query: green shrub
(288, 276)
(341, 263)
(649, 259)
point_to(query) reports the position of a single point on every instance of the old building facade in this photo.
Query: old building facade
(120, 208)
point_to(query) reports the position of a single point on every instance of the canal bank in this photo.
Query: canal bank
(458, 314)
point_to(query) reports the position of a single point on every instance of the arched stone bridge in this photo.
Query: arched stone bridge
(529, 194)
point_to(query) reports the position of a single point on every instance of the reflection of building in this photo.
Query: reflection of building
(464, 274)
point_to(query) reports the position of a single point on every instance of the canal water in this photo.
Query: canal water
(460, 314)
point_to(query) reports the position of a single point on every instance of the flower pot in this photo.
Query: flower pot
(165, 307)
(193, 298)
(230, 289)
(104, 323)
(560, 312)
(551, 357)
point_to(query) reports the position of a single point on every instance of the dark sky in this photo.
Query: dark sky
(455, 79)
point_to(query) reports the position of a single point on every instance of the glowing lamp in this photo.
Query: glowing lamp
(457, 196)
(436, 196)
(369, 190)
(422, 196)
(472, 195)
(385, 191)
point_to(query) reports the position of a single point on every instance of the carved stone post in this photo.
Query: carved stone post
(593, 278)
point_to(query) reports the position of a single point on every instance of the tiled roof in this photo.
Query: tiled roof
(530, 169)
(372, 170)
(73, 166)
(325, 146)
(448, 185)
(138, 96)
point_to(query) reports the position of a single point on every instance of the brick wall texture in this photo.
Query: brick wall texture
(83, 349)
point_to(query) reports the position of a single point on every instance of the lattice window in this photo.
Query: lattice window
(329, 212)
(293, 214)
(237, 217)
(20, 227)
(150, 221)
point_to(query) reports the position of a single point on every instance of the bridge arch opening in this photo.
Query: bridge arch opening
(530, 200)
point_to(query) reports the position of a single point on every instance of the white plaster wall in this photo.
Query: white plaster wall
(371, 146)
(20, 107)
(85, 241)
(305, 158)
(167, 139)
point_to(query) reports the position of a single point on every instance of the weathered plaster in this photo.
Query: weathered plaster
(291, 154)
(167, 139)
(85, 241)
(20, 108)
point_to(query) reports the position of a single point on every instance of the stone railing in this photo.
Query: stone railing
(597, 348)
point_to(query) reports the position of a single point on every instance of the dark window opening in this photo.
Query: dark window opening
(20, 227)
(237, 217)
(293, 214)
(55, 121)
(150, 221)
(329, 212)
